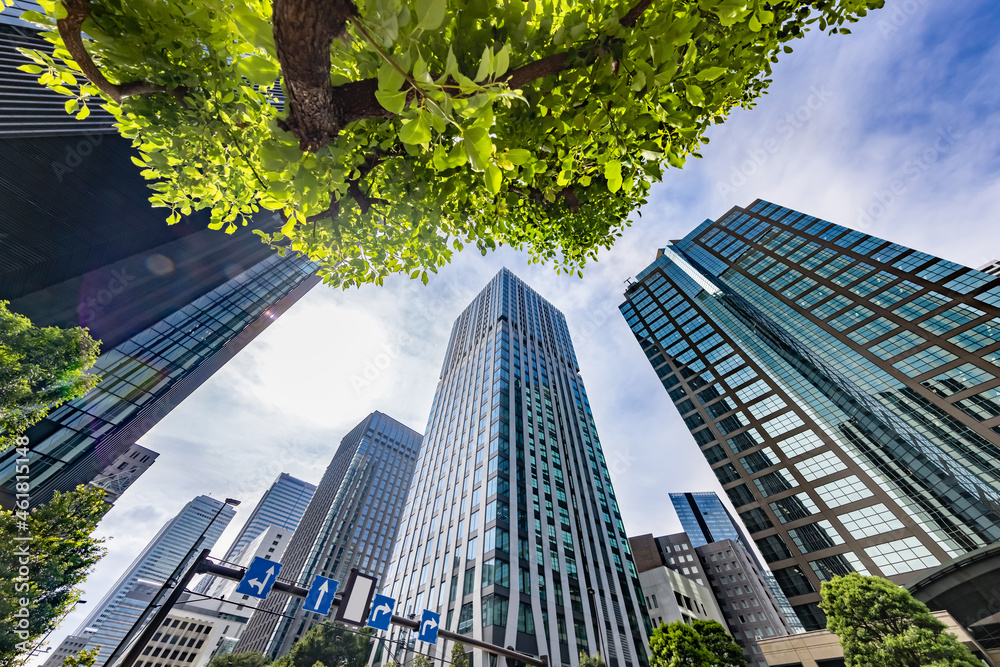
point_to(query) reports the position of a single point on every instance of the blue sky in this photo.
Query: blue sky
(893, 129)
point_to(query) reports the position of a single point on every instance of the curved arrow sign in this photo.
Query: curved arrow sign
(259, 578)
(429, 622)
(381, 615)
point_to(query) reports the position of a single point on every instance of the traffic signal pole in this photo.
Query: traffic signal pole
(204, 566)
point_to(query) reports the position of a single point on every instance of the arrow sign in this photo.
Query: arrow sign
(321, 595)
(259, 578)
(381, 615)
(429, 622)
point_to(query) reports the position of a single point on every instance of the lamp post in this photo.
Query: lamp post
(171, 580)
(598, 621)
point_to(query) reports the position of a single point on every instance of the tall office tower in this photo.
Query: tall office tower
(198, 525)
(705, 519)
(350, 523)
(671, 595)
(149, 374)
(281, 507)
(512, 520)
(843, 388)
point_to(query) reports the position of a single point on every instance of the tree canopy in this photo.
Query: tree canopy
(39, 578)
(880, 624)
(242, 659)
(458, 657)
(40, 368)
(391, 133)
(703, 643)
(329, 644)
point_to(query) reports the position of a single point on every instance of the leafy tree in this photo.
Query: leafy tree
(678, 645)
(880, 624)
(403, 130)
(40, 368)
(242, 659)
(329, 644)
(420, 660)
(590, 660)
(85, 658)
(39, 578)
(720, 644)
(458, 657)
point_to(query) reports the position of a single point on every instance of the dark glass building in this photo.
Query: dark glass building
(149, 374)
(350, 522)
(845, 390)
(512, 530)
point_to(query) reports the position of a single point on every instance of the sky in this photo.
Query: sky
(893, 130)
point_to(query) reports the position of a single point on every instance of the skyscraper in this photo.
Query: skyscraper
(843, 388)
(149, 374)
(350, 523)
(706, 520)
(512, 530)
(114, 615)
(282, 506)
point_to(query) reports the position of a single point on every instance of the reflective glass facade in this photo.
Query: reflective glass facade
(512, 517)
(282, 506)
(840, 385)
(149, 374)
(114, 615)
(350, 523)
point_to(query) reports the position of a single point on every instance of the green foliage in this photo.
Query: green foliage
(40, 368)
(703, 643)
(85, 658)
(61, 553)
(242, 659)
(591, 660)
(539, 124)
(458, 657)
(720, 644)
(420, 660)
(329, 644)
(881, 625)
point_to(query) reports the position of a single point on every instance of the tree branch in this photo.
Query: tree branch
(77, 12)
(632, 17)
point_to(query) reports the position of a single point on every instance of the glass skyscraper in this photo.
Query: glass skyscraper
(149, 374)
(844, 389)
(512, 531)
(115, 614)
(281, 506)
(351, 522)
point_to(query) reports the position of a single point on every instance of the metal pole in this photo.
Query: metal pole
(236, 574)
(161, 614)
(598, 622)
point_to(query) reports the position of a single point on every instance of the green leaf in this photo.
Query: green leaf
(84, 112)
(392, 102)
(493, 178)
(502, 61)
(72, 104)
(711, 74)
(478, 147)
(485, 65)
(695, 95)
(415, 130)
(259, 70)
(430, 13)
(613, 172)
(518, 155)
(390, 79)
(31, 69)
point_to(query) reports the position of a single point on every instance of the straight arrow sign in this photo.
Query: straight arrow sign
(320, 596)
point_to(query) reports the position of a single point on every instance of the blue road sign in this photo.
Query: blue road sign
(429, 627)
(321, 595)
(259, 578)
(382, 607)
